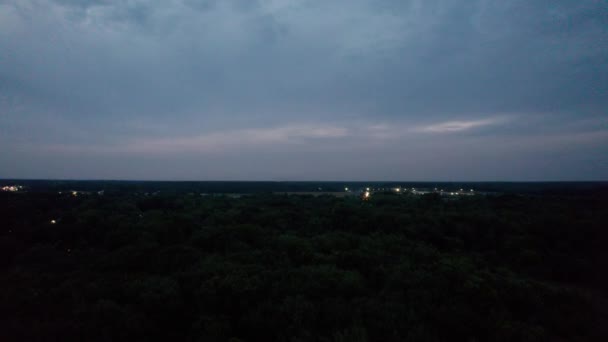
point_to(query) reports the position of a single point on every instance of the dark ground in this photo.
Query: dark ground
(519, 266)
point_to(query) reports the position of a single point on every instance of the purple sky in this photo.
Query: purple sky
(414, 90)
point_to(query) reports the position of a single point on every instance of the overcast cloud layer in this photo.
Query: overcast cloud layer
(304, 90)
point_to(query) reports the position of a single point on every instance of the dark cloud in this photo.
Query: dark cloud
(196, 78)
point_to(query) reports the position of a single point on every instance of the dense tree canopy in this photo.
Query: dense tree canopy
(130, 267)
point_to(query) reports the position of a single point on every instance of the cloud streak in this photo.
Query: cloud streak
(214, 142)
(459, 126)
(220, 142)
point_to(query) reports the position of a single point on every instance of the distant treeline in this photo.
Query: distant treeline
(180, 187)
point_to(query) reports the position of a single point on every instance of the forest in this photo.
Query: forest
(125, 266)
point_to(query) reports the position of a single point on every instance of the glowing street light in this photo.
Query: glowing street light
(53, 221)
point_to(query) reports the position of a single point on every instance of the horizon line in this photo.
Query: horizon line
(298, 181)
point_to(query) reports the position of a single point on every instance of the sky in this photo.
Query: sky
(411, 90)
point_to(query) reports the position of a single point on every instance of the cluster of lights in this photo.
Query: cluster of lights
(367, 192)
(12, 188)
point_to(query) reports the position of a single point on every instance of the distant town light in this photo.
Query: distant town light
(74, 193)
(366, 189)
(53, 221)
(366, 195)
(345, 189)
(397, 189)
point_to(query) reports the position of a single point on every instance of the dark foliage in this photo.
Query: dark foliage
(129, 267)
